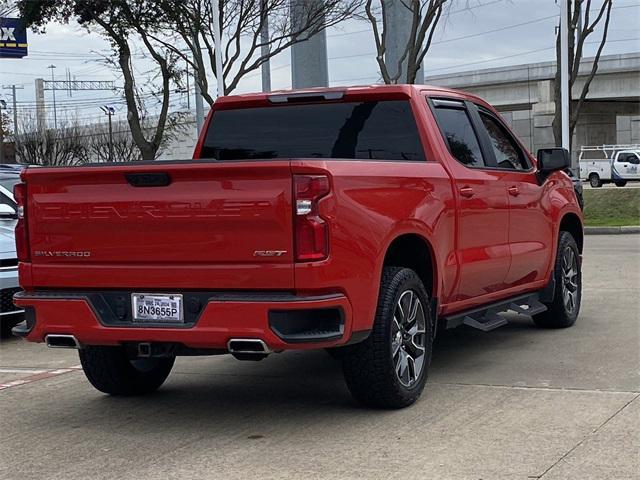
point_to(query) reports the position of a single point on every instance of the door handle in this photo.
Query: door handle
(513, 191)
(466, 192)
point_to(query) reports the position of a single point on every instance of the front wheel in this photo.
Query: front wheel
(563, 311)
(389, 368)
(111, 371)
(594, 180)
(621, 183)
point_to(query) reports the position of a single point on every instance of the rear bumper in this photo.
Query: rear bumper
(272, 318)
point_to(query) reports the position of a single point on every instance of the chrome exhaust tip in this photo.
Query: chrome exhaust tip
(248, 348)
(247, 345)
(61, 341)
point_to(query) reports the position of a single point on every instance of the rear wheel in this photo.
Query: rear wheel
(621, 183)
(563, 311)
(110, 370)
(389, 369)
(594, 180)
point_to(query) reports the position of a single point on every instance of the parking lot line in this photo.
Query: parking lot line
(35, 377)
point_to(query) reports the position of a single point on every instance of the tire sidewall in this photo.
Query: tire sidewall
(404, 280)
(567, 241)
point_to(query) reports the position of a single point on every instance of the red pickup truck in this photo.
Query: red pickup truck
(361, 220)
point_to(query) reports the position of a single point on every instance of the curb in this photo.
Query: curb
(611, 230)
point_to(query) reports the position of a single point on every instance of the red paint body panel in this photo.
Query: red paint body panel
(202, 228)
(202, 231)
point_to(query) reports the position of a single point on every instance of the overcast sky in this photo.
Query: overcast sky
(491, 33)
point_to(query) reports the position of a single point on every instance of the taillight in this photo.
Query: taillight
(21, 230)
(311, 231)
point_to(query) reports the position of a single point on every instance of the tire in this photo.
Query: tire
(111, 371)
(563, 311)
(621, 183)
(370, 367)
(594, 180)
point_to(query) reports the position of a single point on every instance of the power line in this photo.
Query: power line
(485, 61)
(463, 37)
(452, 12)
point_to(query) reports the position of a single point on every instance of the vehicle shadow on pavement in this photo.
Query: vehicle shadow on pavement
(211, 392)
(301, 379)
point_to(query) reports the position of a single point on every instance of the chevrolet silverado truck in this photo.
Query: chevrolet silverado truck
(361, 220)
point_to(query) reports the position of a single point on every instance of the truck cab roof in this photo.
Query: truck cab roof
(352, 92)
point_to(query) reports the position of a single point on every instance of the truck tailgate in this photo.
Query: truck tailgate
(162, 225)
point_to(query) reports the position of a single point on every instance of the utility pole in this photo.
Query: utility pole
(109, 111)
(264, 48)
(15, 106)
(55, 113)
(564, 72)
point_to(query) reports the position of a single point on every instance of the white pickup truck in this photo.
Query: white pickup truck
(610, 163)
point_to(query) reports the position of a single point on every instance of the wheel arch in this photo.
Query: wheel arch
(571, 223)
(412, 250)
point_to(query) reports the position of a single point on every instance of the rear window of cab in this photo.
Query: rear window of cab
(378, 130)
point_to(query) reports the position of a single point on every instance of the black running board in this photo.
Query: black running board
(488, 317)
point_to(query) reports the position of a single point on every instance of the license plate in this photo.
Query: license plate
(148, 307)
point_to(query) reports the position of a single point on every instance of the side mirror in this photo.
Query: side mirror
(552, 159)
(7, 211)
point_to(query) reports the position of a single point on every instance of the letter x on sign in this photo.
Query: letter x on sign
(7, 34)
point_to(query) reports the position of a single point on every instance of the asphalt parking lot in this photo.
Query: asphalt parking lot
(518, 402)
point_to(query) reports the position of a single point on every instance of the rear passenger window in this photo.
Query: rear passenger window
(460, 136)
(507, 152)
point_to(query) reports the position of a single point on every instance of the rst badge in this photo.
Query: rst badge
(269, 253)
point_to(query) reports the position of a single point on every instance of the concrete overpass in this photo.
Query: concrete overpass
(524, 96)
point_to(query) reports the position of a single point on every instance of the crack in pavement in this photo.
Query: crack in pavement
(587, 437)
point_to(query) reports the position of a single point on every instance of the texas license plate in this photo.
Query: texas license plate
(157, 308)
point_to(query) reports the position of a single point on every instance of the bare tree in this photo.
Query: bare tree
(190, 23)
(7, 7)
(54, 147)
(425, 16)
(581, 26)
(121, 141)
(124, 23)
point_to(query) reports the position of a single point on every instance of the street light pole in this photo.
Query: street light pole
(264, 49)
(564, 72)
(218, 51)
(53, 89)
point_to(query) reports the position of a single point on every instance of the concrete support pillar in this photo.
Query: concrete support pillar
(40, 109)
(543, 113)
(399, 19)
(309, 67)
